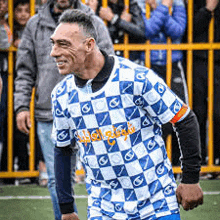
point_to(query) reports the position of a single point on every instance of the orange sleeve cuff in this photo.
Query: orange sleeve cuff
(179, 114)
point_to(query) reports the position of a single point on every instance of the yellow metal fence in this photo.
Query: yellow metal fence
(126, 47)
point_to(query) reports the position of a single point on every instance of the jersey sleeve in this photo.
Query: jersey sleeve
(63, 126)
(162, 104)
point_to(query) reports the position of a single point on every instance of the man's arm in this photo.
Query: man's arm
(175, 24)
(189, 193)
(25, 80)
(63, 178)
(154, 24)
(202, 17)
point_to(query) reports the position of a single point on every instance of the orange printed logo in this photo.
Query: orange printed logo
(98, 135)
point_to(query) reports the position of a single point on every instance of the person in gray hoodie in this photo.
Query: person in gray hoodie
(35, 68)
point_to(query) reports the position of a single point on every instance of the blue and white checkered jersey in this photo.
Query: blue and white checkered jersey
(118, 131)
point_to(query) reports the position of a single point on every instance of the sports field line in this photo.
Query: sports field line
(76, 196)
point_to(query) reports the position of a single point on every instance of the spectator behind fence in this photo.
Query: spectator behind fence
(159, 27)
(113, 109)
(120, 21)
(21, 16)
(203, 11)
(5, 42)
(35, 68)
(21, 140)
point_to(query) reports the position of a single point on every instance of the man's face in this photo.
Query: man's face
(22, 14)
(3, 7)
(69, 48)
(62, 4)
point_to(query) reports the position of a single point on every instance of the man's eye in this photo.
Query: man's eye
(63, 45)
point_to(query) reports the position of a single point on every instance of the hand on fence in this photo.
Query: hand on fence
(189, 195)
(125, 15)
(106, 13)
(71, 216)
(23, 121)
(168, 3)
(93, 4)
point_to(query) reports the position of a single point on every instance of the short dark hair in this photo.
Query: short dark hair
(82, 19)
(21, 2)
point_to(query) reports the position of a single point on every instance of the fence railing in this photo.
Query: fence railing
(189, 47)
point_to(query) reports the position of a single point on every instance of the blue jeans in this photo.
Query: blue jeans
(44, 134)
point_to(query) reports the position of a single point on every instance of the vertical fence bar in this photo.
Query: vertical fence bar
(10, 94)
(126, 39)
(147, 51)
(210, 93)
(190, 53)
(168, 81)
(32, 130)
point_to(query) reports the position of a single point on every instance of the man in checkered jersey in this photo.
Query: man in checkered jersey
(113, 109)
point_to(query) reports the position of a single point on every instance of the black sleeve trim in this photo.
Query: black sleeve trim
(190, 177)
(66, 208)
(188, 136)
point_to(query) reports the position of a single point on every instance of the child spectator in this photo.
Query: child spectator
(21, 16)
(159, 27)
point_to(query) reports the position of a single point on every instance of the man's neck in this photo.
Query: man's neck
(94, 65)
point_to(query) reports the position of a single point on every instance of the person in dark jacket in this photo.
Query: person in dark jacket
(35, 68)
(120, 21)
(158, 28)
(203, 12)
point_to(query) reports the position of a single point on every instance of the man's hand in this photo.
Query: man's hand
(167, 3)
(93, 4)
(125, 15)
(106, 13)
(71, 216)
(24, 121)
(189, 195)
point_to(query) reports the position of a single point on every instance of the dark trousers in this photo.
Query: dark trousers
(200, 103)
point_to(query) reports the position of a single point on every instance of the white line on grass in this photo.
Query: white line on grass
(37, 197)
(76, 196)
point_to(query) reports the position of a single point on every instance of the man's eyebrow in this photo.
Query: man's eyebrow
(60, 41)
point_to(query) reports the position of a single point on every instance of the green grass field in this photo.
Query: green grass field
(19, 203)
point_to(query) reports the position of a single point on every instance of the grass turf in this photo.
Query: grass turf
(35, 209)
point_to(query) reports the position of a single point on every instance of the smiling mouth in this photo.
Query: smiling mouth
(60, 64)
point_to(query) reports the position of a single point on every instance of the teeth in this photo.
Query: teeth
(60, 63)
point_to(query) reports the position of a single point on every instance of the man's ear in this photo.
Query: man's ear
(90, 44)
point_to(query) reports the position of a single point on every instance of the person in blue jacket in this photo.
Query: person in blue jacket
(158, 28)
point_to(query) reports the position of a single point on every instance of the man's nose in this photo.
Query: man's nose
(54, 51)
